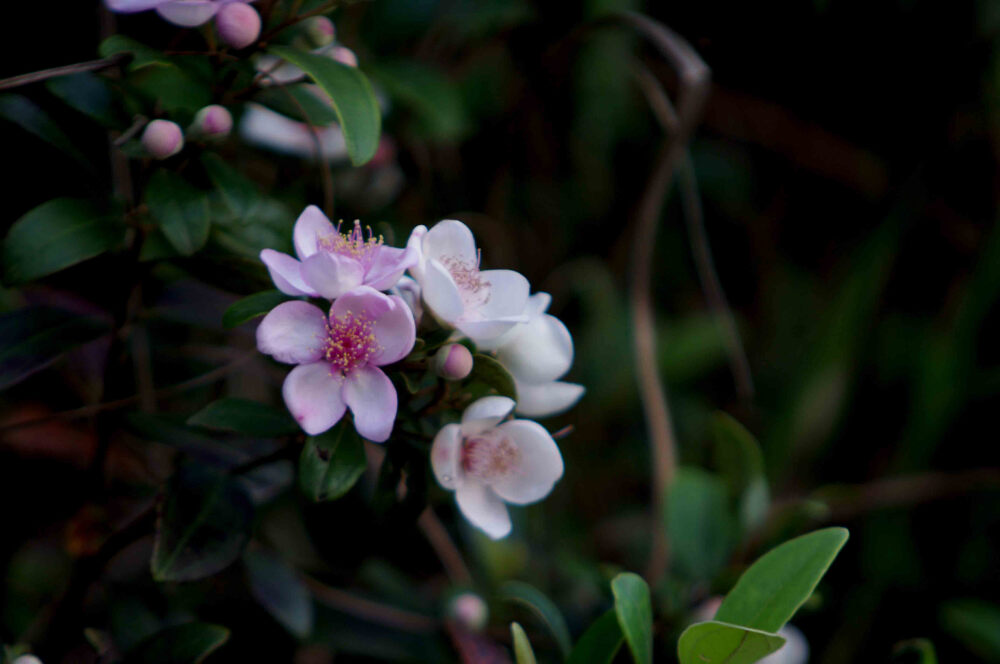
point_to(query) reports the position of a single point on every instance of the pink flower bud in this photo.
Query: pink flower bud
(453, 362)
(238, 24)
(211, 122)
(344, 56)
(469, 610)
(320, 31)
(162, 139)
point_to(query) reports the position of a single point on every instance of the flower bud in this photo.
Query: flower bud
(344, 56)
(453, 362)
(162, 139)
(211, 122)
(320, 31)
(238, 24)
(469, 610)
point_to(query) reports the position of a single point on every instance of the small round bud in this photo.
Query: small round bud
(162, 139)
(453, 362)
(469, 610)
(320, 31)
(344, 56)
(211, 122)
(238, 24)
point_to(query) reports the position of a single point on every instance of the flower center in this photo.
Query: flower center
(350, 342)
(474, 290)
(489, 456)
(352, 244)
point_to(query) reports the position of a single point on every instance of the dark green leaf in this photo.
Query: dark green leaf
(89, 94)
(279, 590)
(171, 431)
(184, 644)
(244, 416)
(252, 307)
(175, 90)
(143, 55)
(332, 462)
(720, 643)
(25, 114)
(31, 339)
(203, 525)
(427, 92)
(56, 235)
(600, 643)
(523, 654)
(352, 97)
(293, 100)
(773, 588)
(739, 459)
(541, 606)
(976, 624)
(489, 372)
(635, 615)
(699, 524)
(237, 192)
(180, 209)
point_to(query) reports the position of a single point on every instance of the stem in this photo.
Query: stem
(65, 70)
(367, 609)
(449, 555)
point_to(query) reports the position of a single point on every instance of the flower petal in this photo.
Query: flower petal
(545, 399)
(293, 333)
(311, 226)
(538, 352)
(362, 301)
(540, 464)
(286, 273)
(389, 265)
(409, 290)
(446, 454)
(313, 394)
(483, 509)
(189, 13)
(441, 293)
(508, 294)
(372, 398)
(130, 6)
(415, 242)
(486, 332)
(485, 413)
(394, 332)
(331, 275)
(450, 240)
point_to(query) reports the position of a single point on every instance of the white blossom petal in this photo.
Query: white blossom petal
(485, 413)
(539, 351)
(545, 399)
(539, 466)
(508, 295)
(483, 509)
(311, 227)
(188, 13)
(446, 455)
(450, 240)
(441, 292)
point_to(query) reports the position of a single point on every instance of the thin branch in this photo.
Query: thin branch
(444, 547)
(371, 610)
(65, 70)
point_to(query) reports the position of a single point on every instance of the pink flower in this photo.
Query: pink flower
(338, 358)
(332, 263)
(185, 13)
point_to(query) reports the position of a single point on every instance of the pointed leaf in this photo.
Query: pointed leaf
(252, 306)
(699, 524)
(541, 606)
(30, 117)
(600, 643)
(279, 590)
(316, 111)
(719, 643)
(489, 372)
(246, 417)
(332, 462)
(523, 654)
(180, 209)
(635, 615)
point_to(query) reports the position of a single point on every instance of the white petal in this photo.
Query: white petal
(486, 333)
(277, 70)
(450, 240)
(293, 333)
(446, 455)
(795, 650)
(485, 413)
(441, 293)
(538, 304)
(540, 464)
(129, 6)
(483, 509)
(331, 275)
(286, 273)
(311, 226)
(538, 352)
(545, 399)
(188, 13)
(312, 393)
(508, 294)
(415, 242)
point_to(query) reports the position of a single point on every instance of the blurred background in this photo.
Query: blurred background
(847, 167)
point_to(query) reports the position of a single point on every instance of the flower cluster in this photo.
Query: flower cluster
(237, 22)
(342, 356)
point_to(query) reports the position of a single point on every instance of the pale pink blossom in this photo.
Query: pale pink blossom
(185, 13)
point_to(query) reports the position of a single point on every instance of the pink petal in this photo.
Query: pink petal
(129, 6)
(311, 226)
(372, 399)
(450, 240)
(446, 454)
(313, 394)
(441, 293)
(388, 266)
(415, 242)
(293, 333)
(286, 273)
(395, 333)
(188, 13)
(483, 509)
(331, 275)
(362, 301)
(485, 413)
(540, 464)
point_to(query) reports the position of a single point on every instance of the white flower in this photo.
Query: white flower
(488, 463)
(482, 304)
(265, 128)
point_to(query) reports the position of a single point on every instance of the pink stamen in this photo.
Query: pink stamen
(350, 342)
(489, 456)
(353, 244)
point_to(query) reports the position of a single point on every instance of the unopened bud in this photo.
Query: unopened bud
(211, 122)
(162, 139)
(344, 56)
(238, 24)
(469, 610)
(320, 31)
(453, 362)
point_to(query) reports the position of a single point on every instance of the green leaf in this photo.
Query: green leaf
(180, 209)
(142, 55)
(427, 92)
(317, 113)
(352, 97)
(89, 94)
(699, 524)
(252, 306)
(56, 235)
(773, 588)
(279, 590)
(332, 462)
(237, 192)
(635, 614)
(529, 596)
(203, 525)
(29, 117)
(739, 459)
(921, 649)
(31, 339)
(720, 643)
(175, 90)
(244, 416)
(976, 624)
(190, 643)
(489, 372)
(600, 643)
(523, 654)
